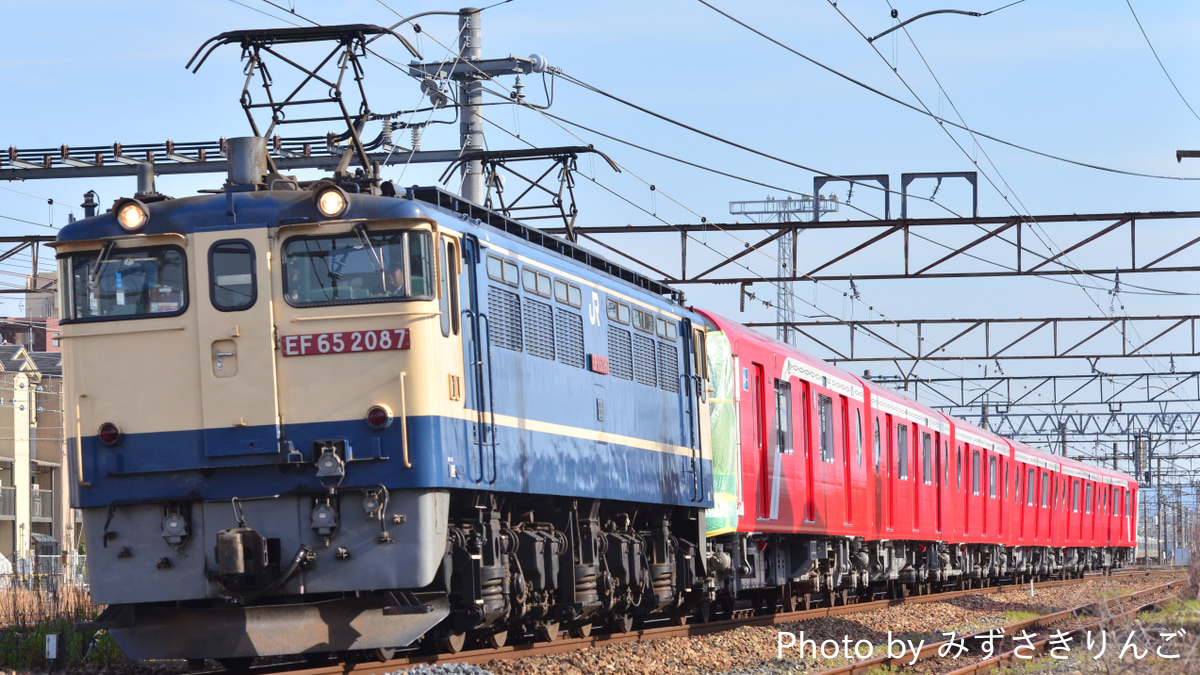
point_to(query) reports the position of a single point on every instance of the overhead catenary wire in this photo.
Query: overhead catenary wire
(1160, 63)
(1039, 231)
(914, 108)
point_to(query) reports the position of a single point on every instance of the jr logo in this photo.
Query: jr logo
(594, 308)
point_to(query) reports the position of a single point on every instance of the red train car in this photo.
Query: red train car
(829, 485)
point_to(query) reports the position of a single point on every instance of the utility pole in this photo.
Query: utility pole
(470, 93)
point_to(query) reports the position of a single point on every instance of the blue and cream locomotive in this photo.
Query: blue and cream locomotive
(334, 417)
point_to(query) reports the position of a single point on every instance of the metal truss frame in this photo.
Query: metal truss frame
(992, 339)
(1009, 232)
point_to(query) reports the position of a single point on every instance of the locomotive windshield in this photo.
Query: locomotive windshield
(358, 267)
(125, 284)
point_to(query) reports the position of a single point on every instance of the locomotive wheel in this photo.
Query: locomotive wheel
(581, 630)
(452, 642)
(383, 654)
(704, 612)
(679, 618)
(622, 623)
(547, 631)
(496, 640)
(789, 602)
(844, 597)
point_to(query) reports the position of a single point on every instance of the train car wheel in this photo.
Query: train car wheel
(789, 602)
(383, 654)
(496, 640)
(622, 623)
(581, 630)
(547, 631)
(452, 642)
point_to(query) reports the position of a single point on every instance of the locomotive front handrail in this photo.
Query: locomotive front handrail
(404, 420)
(487, 326)
(79, 442)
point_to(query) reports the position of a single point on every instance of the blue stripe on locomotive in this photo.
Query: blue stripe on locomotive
(173, 465)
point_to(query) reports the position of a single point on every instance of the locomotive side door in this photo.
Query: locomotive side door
(477, 369)
(239, 390)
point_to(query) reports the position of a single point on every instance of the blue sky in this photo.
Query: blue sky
(1073, 79)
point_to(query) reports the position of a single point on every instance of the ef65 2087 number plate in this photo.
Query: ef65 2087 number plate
(346, 342)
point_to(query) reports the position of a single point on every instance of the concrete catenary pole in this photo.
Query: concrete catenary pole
(470, 98)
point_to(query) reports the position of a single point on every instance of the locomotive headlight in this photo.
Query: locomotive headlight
(379, 417)
(131, 214)
(331, 201)
(110, 434)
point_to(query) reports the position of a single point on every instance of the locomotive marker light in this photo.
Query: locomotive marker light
(379, 417)
(110, 434)
(131, 214)
(331, 201)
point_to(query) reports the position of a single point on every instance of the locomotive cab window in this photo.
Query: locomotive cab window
(112, 284)
(451, 313)
(358, 267)
(232, 283)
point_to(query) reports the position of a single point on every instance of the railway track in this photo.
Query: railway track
(739, 617)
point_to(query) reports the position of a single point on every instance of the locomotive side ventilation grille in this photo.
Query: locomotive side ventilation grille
(539, 329)
(668, 367)
(620, 354)
(569, 335)
(644, 360)
(504, 318)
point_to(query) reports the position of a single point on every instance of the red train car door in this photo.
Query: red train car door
(758, 417)
(938, 483)
(847, 488)
(889, 492)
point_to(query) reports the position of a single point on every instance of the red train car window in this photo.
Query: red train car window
(902, 449)
(859, 434)
(975, 472)
(825, 426)
(1075, 496)
(1087, 498)
(1029, 492)
(1045, 490)
(783, 417)
(926, 459)
(991, 476)
(878, 444)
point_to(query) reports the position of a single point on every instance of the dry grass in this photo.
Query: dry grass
(24, 607)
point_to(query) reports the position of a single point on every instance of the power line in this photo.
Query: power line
(936, 117)
(1160, 63)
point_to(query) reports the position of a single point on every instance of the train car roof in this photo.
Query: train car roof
(235, 209)
(1028, 454)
